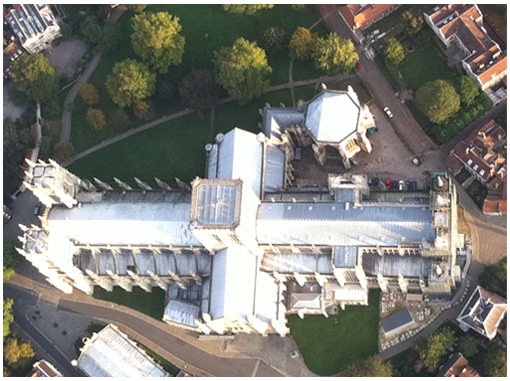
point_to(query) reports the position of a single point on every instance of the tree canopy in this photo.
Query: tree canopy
(467, 345)
(130, 82)
(118, 120)
(494, 277)
(438, 99)
(17, 139)
(89, 93)
(12, 259)
(468, 90)
(274, 40)
(335, 55)
(64, 151)
(137, 8)
(198, 90)
(157, 41)
(96, 118)
(494, 363)
(16, 354)
(395, 52)
(242, 70)
(8, 316)
(102, 36)
(249, 9)
(412, 24)
(371, 367)
(303, 43)
(434, 346)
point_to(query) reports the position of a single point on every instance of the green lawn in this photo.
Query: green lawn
(206, 28)
(379, 60)
(329, 344)
(152, 304)
(176, 148)
(424, 66)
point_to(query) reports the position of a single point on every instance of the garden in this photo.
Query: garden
(330, 344)
(206, 28)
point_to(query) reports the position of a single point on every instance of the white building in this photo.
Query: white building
(244, 247)
(34, 25)
(110, 353)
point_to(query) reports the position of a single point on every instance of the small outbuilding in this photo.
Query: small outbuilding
(397, 323)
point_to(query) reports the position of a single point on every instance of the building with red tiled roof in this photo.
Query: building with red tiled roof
(462, 25)
(457, 366)
(44, 369)
(480, 155)
(361, 16)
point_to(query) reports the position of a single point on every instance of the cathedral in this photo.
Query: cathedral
(240, 249)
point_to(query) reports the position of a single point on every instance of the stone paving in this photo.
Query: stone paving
(62, 329)
(66, 55)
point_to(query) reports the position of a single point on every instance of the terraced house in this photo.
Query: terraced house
(241, 249)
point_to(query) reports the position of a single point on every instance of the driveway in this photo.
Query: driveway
(403, 122)
(66, 55)
(23, 213)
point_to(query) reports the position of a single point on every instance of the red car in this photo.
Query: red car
(358, 66)
(388, 183)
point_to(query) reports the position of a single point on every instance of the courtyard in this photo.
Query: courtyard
(328, 345)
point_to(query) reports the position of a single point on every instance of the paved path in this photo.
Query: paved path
(182, 349)
(403, 122)
(133, 131)
(65, 136)
(23, 298)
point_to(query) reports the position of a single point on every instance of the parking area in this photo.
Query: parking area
(66, 55)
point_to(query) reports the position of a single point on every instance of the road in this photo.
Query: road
(22, 300)
(403, 122)
(149, 331)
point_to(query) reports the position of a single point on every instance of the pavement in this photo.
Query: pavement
(66, 55)
(23, 213)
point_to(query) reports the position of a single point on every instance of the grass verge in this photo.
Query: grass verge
(330, 344)
(165, 364)
(152, 304)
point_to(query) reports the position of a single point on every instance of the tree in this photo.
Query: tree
(66, 31)
(298, 7)
(274, 40)
(438, 99)
(141, 109)
(17, 354)
(494, 362)
(335, 54)
(434, 346)
(8, 316)
(89, 93)
(242, 70)
(12, 259)
(103, 37)
(96, 118)
(28, 67)
(303, 43)
(137, 8)
(395, 52)
(494, 277)
(130, 82)
(248, 9)
(17, 140)
(157, 41)
(44, 87)
(198, 90)
(118, 120)
(64, 151)
(166, 94)
(371, 367)
(468, 345)
(412, 24)
(468, 90)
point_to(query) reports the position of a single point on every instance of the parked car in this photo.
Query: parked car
(408, 184)
(354, 162)
(416, 161)
(414, 186)
(39, 209)
(388, 112)
(372, 130)
(394, 184)
(374, 182)
(401, 185)
(358, 66)
(388, 183)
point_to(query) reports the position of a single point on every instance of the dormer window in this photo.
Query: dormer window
(475, 167)
(482, 171)
(469, 162)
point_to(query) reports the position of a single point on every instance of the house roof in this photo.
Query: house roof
(396, 321)
(177, 311)
(483, 312)
(300, 263)
(358, 16)
(111, 354)
(332, 116)
(494, 70)
(45, 369)
(392, 265)
(457, 366)
(454, 164)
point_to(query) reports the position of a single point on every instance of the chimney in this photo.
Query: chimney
(496, 54)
